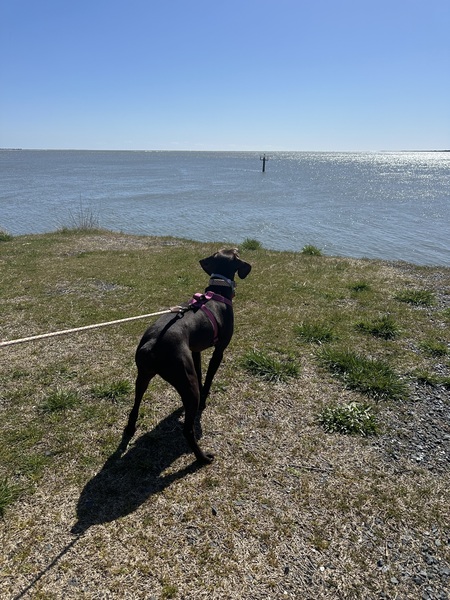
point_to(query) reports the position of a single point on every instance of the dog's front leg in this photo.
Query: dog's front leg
(214, 364)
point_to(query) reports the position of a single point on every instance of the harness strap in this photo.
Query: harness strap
(199, 301)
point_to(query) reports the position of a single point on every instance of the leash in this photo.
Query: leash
(197, 302)
(174, 309)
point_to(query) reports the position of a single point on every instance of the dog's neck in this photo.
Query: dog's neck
(222, 285)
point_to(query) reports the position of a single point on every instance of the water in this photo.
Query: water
(377, 205)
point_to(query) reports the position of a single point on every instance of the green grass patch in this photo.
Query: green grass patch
(311, 250)
(269, 368)
(359, 286)
(5, 236)
(8, 495)
(250, 244)
(367, 375)
(60, 400)
(315, 331)
(428, 378)
(385, 327)
(434, 348)
(351, 418)
(416, 297)
(116, 390)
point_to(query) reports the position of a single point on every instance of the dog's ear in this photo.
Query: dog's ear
(244, 269)
(207, 264)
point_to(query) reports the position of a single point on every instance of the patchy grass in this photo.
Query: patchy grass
(416, 297)
(384, 327)
(434, 348)
(269, 368)
(250, 244)
(367, 375)
(60, 400)
(310, 250)
(116, 390)
(5, 236)
(286, 510)
(351, 418)
(316, 332)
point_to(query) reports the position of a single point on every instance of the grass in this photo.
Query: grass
(114, 391)
(287, 509)
(370, 376)
(384, 327)
(269, 368)
(316, 332)
(5, 236)
(311, 250)
(416, 297)
(250, 244)
(60, 400)
(434, 348)
(351, 418)
(8, 495)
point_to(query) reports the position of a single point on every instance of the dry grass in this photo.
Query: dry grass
(286, 510)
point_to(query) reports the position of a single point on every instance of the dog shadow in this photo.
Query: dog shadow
(129, 477)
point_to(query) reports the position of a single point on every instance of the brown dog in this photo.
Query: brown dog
(171, 347)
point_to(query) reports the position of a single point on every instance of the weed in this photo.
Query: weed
(385, 327)
(367, 375)
(60, 400)
(311, 250)
(82, 219)
(359, 286)
(112, 391)
(250, 244)
(268, 367)
(169, 590)
(427, 378)
(416, 297)
(434, 348)
(315, 331)
(8, 494)
(5, 236)
(353, 418)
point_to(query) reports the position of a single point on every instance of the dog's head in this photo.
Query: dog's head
(227, 263)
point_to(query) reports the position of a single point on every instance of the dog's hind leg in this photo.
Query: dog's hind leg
(183, 376)
(214, 364)
(142, 381)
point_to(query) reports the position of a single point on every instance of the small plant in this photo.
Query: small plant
(427, 378)
(317, 332)
(311, 250)
(359, 286)
(8, 495)
(82, 219)
(268, 367)
(5, 236)
(370, 376)
(60, 400)
(385, 327)
(434, 348)
(250, 244)
(352, 418)
(416, 297)
(112, 391)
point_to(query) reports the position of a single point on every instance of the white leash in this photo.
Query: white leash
(174, 309)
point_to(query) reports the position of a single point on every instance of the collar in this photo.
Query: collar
(230, 282)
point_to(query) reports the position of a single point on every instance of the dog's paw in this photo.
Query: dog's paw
(206, 459)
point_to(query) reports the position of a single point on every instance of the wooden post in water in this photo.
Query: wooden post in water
(264, 158)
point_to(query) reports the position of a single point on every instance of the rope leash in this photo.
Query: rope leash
(174, 309)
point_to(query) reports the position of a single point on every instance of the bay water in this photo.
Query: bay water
(389, 205)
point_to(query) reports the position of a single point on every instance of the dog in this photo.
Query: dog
(171, 347)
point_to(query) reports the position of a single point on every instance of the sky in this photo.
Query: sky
(259, 75)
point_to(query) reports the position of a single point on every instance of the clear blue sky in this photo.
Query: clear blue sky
(225, 75)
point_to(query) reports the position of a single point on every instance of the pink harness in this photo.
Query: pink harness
(199, 301)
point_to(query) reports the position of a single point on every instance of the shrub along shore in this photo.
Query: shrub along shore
(329, 419)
